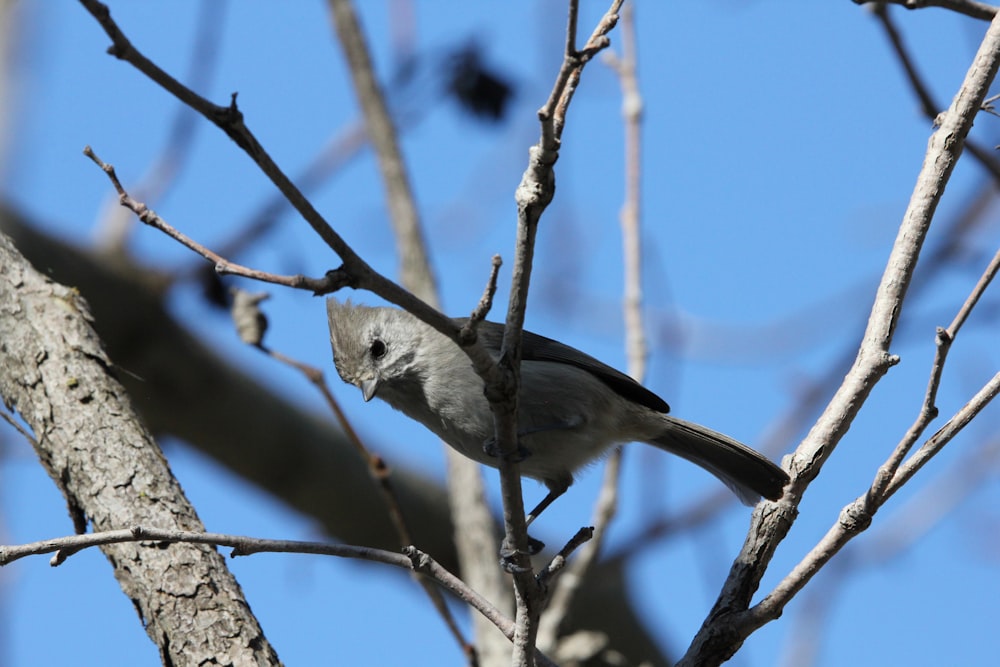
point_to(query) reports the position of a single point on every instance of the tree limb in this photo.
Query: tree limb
(729, 623)
(54, 372)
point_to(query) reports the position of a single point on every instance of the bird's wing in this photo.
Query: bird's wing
(540, 348)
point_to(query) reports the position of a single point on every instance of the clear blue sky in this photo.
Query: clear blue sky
(781, 146)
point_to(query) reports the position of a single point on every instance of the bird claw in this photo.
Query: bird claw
(508, 565)
(490, 449)
(508, 555)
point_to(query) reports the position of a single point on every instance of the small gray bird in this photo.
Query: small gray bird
(571, 408)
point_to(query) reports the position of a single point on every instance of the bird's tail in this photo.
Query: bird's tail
(750, 475)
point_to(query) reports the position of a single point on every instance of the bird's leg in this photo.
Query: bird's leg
(556, 489)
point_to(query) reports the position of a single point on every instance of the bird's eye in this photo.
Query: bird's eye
(377, 350)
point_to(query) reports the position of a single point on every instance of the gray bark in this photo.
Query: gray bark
(56, 375)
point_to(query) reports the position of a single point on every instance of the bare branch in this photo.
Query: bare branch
(635, 340)
(857, 517)
(179, 141)
(558, 562)
(354, 272)
(977, 292)
(928, 106)
(230, 120)
(888, 473)
(937, 441)
(482, 309)
(331, 282)
(874, 358)
(533, 195)
(110, 471)
(921, 513)
(553, 113)
(977, 10)
(728, 624)
(411, 558)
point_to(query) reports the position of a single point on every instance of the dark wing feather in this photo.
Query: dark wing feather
(540, 348)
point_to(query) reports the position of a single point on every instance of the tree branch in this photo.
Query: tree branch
(330, 283)
(410, 559)
(533, 195)
(354, 272)
(470, 513)
(728, 623)
(928, 106)
(857, 516)
(54, 371)
(977, 10)
(635, 340)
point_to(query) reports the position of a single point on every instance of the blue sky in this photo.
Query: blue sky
(780, 150)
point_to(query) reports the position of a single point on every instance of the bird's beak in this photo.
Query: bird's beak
(368, 388)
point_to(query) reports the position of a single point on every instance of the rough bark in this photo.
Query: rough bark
(56, 375)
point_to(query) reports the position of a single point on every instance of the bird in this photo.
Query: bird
(572, 408)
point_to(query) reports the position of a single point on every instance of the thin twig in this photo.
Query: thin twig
(485, 304)
(179, 142)
(532, 195)
(411, 559)
(9, 418)
(250, 323)
(944, 338)
(928, 106)
(977, 292)
(553, 113)
(937, 441)
(559, 561)
(635, 340)
(977, 10)
(329, 283)
(856, 517)
(378, 469)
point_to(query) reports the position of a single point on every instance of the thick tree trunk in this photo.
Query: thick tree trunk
(55, 374)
